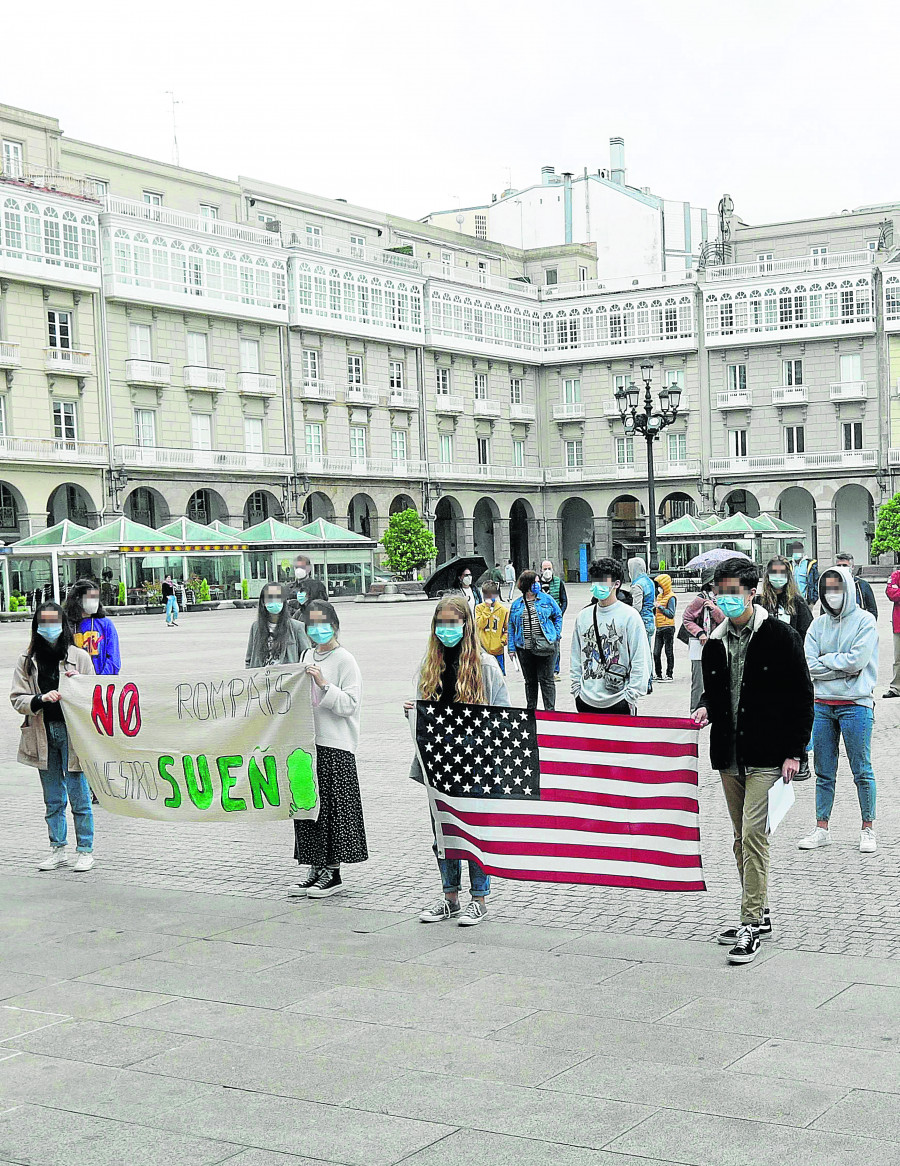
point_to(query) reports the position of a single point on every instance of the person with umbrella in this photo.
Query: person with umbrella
(471, 591)
(701, 618)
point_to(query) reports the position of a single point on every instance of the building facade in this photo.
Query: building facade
(176, 343)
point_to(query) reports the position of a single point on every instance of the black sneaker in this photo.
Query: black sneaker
(728, 937)
(803, 773)
(328, 883)
(746, 947)
(312, 876)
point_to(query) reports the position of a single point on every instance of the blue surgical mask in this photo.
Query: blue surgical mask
(778, 581)
(320, 633)
(731, 605)
(50, 631)
(536, 588)
(274, 607)
(301, 597)
(797, 556)
(449, 634)
(601, 591)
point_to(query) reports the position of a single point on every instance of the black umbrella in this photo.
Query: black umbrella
(446, 577)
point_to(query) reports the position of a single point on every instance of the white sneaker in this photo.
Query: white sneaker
(83, 862)
(473, 914)
(867, 843)
(819, 837)
(56, 857)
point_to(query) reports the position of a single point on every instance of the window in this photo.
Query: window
(198, 349)
(515, 390)
(3, 432)
(357, 443)
(309, 358)
(446, 448)
(145, 427)
(396, 374)
(792, 372)
(853, 435)
(139, 341)
(484, 451)
(398, 445)
(572, 390)
(818, 255)
(201, 431)
(582, 274)
(574, 457)
(483, 272)
(102, 185)
(677, 447)
(314, 238)
(446, 261)
(851, 367)
(208, 211)
(357, 246)
(258, 511)
(624, 451)
(151, 198)
(764, 259)
(794, 439)
(871, 244)
(65, 422)
(481, 386)
(59, 329)
(737, 442)
(354, 370)
(314, 439)
(551, 277)
(673, 378)
(481, 227)
(737, 378)
(620, 381)
(249, 352)
(253, 434)
(13, 159)
(518, 453)
(442, 384)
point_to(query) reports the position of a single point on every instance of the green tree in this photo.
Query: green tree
(204, 591)
(887, 532)
(407, 542)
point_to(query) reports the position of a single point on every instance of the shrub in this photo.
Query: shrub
(245, 589)
(122, 597)
(407, 542)
(887, 532)
(204, 591)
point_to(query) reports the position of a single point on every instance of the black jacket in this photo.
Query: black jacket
(865, 596)
(312, 587)
(775, 713)
(801, 618)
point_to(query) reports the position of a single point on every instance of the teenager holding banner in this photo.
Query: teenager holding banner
(275, 638)
(44, 741)
(339, 833)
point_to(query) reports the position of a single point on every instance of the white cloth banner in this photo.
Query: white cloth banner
(204, 747)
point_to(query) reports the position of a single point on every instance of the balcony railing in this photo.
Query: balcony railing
(403, 399)
(68, 361)
(586, 287)
(362, 252)
(475, 278)
(187, 221)
(850, 391)
(148, 372)
(678, 469)
(61, 183)
(227, 461)
(362, 395)
(832, 459)
(521, 412)
(734, 399)
(448, 403)
(41, 449)
(362, 467)
(199, 376)
(494, 473)
(568, 411)
(485, 408)
(311, 390)
(258, 384)
(894, 457)
(10, 354)
(790, 395)
(787, 266)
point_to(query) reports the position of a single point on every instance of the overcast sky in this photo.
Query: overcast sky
(789, 105)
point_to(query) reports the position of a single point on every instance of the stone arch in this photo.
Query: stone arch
(740, 502)
(206, 506)
(71, 500)
(675, 505)
(628, 526)
(13, 511)
(854, 521)
(485, 529)
(318, 505)
(521, 528)
(448, 517)
(362, 515)
(576, 529)
(260, 505)
(147, 505)
(797, 506)
(402, 502)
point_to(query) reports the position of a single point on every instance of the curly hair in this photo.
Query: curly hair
(469, 681)
(788, 596)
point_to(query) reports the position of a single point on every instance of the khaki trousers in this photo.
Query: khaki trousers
(895, 683)
(747, 798)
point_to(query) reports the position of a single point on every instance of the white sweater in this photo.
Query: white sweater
(336, 711)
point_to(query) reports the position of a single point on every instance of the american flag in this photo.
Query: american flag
(564, 797)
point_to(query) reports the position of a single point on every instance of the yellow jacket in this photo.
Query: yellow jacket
(492, 622)
(663, 599)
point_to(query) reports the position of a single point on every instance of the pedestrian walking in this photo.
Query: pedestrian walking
(509, 574)
(339, 833)
(306, 587)
(535, 626)
(496, 575)
(553, 585)
(457, 671)
(492, 624)
(806, 572)
(780, 597)
(610, 657)
(664, 608)
(758, 698)
(865, 596)
(92, 629)
(171, 601)
(44, 741)
(471, 591)
(842, 654)
(701, 617)
(274, 638)
(892, 591)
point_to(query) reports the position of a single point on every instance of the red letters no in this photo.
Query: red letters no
(130, 710)
(102, 714)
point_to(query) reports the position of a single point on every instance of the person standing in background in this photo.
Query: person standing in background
(491, 623)
(780, 597)
(553, 586)
(92, 628)
(892, 591)
(644, 597)
(535, 625)
(865, 596)
(274, 638)
(806, 573)
(509, 574)
(171, 602)
(664, 606)
(471, 592)
(305, 589)
(701, 618)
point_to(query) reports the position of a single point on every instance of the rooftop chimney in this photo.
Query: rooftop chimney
(617, 161)
(547, 173)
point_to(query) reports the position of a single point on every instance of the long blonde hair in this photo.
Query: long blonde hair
(788, 596)
(469, 682)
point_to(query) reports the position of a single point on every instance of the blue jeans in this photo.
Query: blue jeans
(451, 874)
(171, 609)
(60, 784)
(501, 662)
(854, 723)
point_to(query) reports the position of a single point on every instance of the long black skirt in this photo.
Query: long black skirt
(339, 835)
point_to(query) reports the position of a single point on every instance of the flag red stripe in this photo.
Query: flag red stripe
(610, 745)
(620, 772)
(667, 723)
(619, 802)
(573, 850)
(636, 882)
(589, 825)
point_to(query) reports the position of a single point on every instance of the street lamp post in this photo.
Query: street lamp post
(649, 422)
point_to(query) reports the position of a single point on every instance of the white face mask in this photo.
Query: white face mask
(834, 599)
(546, 575)
(299, 572)
(90, 606)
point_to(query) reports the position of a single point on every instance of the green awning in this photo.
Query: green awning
(688, 527)
(228, 531)
(196, 534)
(330, 532)
(279, 533)
(122, 535)
(54, 536)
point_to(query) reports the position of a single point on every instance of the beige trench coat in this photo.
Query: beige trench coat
(33, 740)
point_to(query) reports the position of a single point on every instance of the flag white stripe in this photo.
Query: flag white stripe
(615, 733)
(523, 806)
(610, 787)
(623, 760)
(574, 837)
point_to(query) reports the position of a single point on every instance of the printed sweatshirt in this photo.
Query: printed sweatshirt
(623, 640)
(842, 648)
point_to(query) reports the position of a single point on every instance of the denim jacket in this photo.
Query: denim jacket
(549, 616)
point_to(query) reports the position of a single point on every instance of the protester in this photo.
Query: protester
(701, 617)
(339, 834)
(305, 589)
(274, 638)
(509, 574)
(780, 597)
(610, 658)
(643, 597)
(758, 697)
(865, 596)
(171, 601)
(842, 654)
(892, 591)
(471, 592)
(806, 573)
(535, 626)
(456, 671)
(492, 624)
(554, 586)
(44, 741)
(92, 628)
(664, 608)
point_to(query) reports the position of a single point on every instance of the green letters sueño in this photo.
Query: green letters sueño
(198, 781)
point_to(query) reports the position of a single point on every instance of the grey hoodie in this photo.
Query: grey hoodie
(842, 647)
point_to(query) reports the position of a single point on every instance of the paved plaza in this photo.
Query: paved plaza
(174, 1007)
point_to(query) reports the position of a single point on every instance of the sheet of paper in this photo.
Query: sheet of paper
(781, 798)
